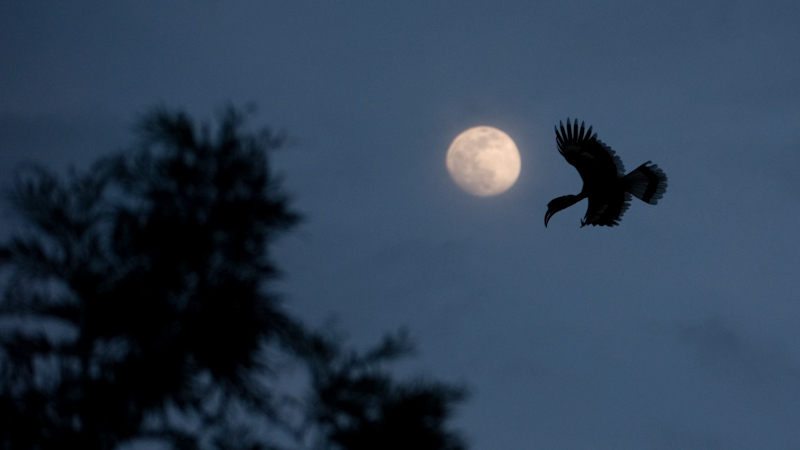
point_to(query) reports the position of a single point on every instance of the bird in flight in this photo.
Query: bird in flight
(605, 184)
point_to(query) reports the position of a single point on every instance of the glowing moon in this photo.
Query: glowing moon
(483, 161)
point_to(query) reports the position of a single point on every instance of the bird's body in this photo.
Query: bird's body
(605, 183)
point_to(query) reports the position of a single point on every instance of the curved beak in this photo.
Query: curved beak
(557, 204)
(550, 213)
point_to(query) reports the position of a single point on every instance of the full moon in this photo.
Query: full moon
(483, 161)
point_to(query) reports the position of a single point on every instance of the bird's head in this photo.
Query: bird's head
(557, 204)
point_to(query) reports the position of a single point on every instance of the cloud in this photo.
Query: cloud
(727, 355)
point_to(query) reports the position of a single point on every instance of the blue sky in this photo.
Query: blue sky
(678, 329)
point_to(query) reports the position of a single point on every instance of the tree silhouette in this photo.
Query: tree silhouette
(359, 406)
(138, 304)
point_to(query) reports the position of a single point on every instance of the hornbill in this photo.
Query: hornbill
(605, 184)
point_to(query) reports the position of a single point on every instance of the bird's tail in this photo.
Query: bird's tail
(647, 183)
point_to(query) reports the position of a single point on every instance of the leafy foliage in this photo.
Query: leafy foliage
(359, 406)
(137, 304)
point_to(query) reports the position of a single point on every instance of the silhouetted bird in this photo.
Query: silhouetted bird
(605, 184)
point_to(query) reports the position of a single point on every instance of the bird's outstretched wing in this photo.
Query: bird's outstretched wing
(594, 160)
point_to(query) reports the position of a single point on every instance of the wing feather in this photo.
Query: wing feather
(593, 159)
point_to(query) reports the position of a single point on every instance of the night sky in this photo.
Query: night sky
(678, 329)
